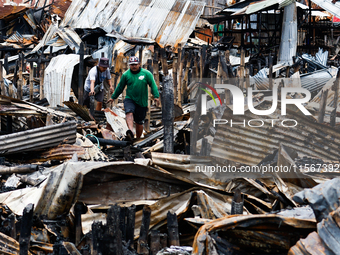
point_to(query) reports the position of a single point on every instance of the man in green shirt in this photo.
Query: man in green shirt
(136, 80)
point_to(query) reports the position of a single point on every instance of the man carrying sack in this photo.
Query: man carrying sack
(94, 83)
(136, 80)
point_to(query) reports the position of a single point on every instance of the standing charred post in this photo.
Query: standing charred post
(20, 81)
(130, 224)
(174, 76)
(148, 113)
(322, 107)
(335, 88)
(81, 75)
(2, 84)
(113, 235)
(242, 64)
(173, 229)
(168, 114)
(180, 78)
(155, 243)
(25, 229)
(31, 81)
(142, 246)
(270, 72)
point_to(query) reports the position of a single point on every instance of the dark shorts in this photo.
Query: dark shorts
(99, 97)
(139, 112)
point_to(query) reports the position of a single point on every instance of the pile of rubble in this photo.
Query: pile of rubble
(203, 179)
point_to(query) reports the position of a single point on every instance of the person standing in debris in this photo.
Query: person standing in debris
(136, 80)
(94, 83)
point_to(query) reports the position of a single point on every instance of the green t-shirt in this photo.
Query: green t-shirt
(137, 86)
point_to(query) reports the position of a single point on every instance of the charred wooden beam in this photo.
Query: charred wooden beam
(174, 74)
(97, 237)
(164, 240)
(173, 229)
(81, 75)
(113, 239)
(142, 245)
(31, 81)
(335, 88)
(25, 229)
(168, 115)
(79, 209)
(2, 84)
(122, 221)
(270, 72)
(322, 107)
(155, 243)
(130, 224)
(20, 81)
(180, 75)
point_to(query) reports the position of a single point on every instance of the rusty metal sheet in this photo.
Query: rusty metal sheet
(62, 152)
(258, 232)
(179, 23)
(9, 12)
(60, 7)
(250, 145)
(167, 22)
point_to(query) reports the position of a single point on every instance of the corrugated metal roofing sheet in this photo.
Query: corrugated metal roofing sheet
(90, 14)
(250, 145)
(316, 80)
(38, 138)
(167, 22)
(328, 5)
(252, 8)
(58, 78)
(66, 33)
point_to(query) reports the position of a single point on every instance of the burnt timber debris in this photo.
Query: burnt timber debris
(72, 184)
